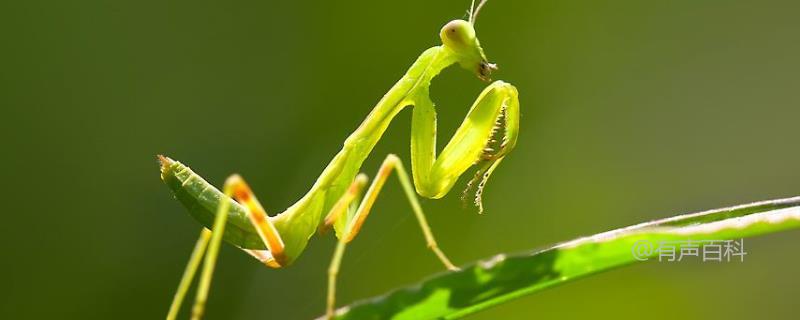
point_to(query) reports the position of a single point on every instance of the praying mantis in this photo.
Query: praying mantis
(337, 199)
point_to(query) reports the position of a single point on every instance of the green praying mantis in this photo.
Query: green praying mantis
(488, 133)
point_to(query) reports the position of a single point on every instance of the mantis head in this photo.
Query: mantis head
(459, 37)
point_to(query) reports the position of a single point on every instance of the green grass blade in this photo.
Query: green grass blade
(487, 283)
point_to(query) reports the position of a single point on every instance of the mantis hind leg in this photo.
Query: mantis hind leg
(353, 225)
(188, 273)
(210, 242)
(211, 258)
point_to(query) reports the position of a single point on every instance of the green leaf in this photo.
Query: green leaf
(488, 283)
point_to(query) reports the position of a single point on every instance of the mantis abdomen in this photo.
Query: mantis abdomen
(201, 199)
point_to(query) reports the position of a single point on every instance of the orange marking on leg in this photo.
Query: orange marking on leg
(258, 217)
(385, 170)
(337, 210)
(369, 199)
(341, 205)
(354, 187)
(241, 194)
(256, 211)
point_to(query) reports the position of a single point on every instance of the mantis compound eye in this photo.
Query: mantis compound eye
(457, 34)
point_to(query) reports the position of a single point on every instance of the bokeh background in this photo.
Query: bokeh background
(632, 110)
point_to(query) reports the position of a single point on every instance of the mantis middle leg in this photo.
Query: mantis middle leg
(354, 223)
(496, 106)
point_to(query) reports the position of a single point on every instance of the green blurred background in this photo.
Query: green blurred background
(632, 110)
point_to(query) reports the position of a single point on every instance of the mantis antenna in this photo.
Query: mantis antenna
(473, 11)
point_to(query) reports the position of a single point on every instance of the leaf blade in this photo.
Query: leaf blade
(488, 283)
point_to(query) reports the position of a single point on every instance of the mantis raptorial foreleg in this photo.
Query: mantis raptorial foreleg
(188, 273)
(473, 140)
